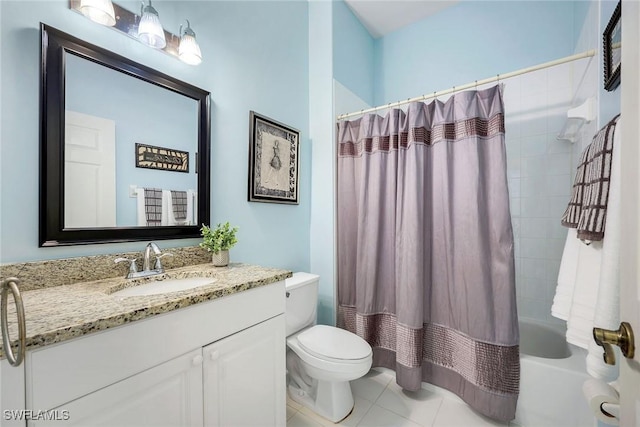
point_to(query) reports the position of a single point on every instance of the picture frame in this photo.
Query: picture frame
(274, 161)
(611, 39)
(152, 157)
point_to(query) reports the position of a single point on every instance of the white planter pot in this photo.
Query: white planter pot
(220, 259)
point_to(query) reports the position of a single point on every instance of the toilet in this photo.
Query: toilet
(321, 360)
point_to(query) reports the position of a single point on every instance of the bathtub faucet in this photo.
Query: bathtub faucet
(623, 338)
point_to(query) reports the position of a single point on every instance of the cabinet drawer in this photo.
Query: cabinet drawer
(63, 372)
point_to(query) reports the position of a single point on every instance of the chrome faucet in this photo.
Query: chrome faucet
(146, 260)
(151, 248)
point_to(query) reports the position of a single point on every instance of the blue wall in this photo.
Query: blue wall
(470, 41)
(353, 52)
(255, 58)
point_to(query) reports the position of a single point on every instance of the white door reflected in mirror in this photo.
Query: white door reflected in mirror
(89, 171)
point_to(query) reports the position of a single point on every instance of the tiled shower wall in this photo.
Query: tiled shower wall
(540, 174)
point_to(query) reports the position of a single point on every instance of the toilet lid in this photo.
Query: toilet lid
(329, 342)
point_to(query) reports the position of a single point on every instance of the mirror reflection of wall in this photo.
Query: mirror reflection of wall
(109, 111)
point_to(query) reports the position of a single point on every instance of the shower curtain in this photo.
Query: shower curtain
(425, 247)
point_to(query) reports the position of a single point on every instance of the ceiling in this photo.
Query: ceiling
(381, 17)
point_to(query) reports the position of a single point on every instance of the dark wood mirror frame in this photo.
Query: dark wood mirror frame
(52, 111)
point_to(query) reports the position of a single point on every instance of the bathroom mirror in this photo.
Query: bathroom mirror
(124, 148)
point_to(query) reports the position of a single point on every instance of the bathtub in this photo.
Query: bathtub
(551, 376)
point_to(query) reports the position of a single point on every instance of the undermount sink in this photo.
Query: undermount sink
(164, 286)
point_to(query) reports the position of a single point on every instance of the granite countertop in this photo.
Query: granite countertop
(64, 312)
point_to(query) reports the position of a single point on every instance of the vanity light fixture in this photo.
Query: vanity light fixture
(145, 28)
(100, 11)
(189, 51)
(150, 31)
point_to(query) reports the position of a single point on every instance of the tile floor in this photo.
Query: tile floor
(380, 402)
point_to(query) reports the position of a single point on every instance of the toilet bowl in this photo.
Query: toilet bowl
(321, 359)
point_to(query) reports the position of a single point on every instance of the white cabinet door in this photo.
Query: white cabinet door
(169, 394)
(244, 377)
(12, 395)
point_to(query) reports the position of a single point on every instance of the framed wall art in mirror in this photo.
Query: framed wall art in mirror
(274, 161)
(612, 38)
(97, 108)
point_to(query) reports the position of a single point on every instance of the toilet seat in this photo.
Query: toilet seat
(330, 367)
(334, 344)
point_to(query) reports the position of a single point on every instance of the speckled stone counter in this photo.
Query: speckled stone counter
(56, 272)
(60, 313)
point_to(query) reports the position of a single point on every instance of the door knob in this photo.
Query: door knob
(623, 338)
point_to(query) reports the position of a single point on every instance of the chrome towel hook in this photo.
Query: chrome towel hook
(12, 284)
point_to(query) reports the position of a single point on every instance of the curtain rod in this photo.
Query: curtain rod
(498, 77)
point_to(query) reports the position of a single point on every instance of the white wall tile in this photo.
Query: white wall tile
(535, 165)
(536, 122)
(514, 187)
(559, 185)
(540, 170)
(533, 248)
(534, 227)
(533, 83)
(533, 207)
(534, 268)
(555, 145)
(558, 163)
(536, 289)
(515, 207)
(557, 206)
(534, 145)
(533, 186)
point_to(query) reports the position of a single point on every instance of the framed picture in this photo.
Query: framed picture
(612, 50)
(274, 161)
(152, 157)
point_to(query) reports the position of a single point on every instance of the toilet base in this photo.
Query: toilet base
(333, 400)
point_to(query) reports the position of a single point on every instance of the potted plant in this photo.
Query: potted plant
(218, 241)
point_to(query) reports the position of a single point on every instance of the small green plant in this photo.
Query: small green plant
(221, 238)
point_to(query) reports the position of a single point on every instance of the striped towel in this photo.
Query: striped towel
(153, 206)
(587, 210)
(179, 202)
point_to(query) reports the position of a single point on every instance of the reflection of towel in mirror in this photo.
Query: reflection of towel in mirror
(169, 210)
(153, 206)
(179, 204)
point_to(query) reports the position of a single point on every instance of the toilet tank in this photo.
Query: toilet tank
(302, 301)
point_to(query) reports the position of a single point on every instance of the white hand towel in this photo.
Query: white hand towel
(585, 295)
(141, 215)
(567, 276)
(191, 210)
(607, 310)
(167, 210)
(168, 218)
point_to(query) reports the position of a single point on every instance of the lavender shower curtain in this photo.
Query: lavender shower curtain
(425, 247)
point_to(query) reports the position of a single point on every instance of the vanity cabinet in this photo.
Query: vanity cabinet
(216, 363)
(244, 384)
(169, 394)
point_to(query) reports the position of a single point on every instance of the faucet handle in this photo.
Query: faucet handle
(133, 268)
(158, 265)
